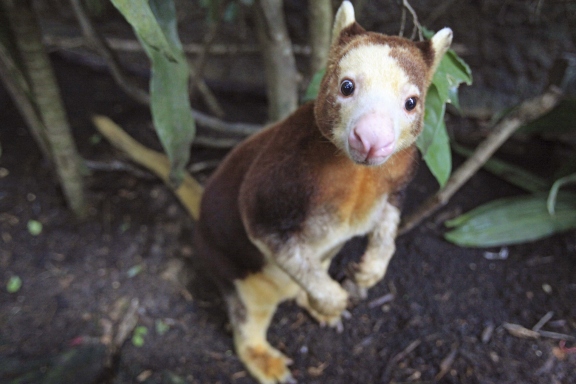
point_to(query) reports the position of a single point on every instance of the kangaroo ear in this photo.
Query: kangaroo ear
(440, 43)
(344, 18)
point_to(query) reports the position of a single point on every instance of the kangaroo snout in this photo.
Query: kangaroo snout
(372, 139)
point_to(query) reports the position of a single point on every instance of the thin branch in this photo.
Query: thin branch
(218, 125)
(131, 45)
(402, 22)
(526, 112)
(140, 95)
(279, 61)
(417, 25)
(99, 44)
(197, 70)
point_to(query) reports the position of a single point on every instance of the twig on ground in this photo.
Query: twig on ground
(446, 363)
(543, 321)
(381, 300)
(526, 112)
(397, 358)
(127, 324)
(525, 333)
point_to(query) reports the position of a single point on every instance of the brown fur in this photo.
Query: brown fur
(287, 199)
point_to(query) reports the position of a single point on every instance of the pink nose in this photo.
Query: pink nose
(372, 139)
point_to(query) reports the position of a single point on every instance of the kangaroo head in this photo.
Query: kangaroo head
(371, 100)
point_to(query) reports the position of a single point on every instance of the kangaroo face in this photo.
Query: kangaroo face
(371, 103)
(380, 107)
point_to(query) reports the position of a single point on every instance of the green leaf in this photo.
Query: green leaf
(140, 16)
(138, 335)
(552, 196)
(314, 86)
(135, 270)
(513, 220)
(14, 284)
(451, 72)
(34, 227)
(161, 327)
(154, 22)
(433, 142)
(230, 13)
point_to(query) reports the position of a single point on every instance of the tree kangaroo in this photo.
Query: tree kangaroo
(284, 201)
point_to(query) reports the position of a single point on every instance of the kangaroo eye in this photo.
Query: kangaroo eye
(410, 103)
(347, 87)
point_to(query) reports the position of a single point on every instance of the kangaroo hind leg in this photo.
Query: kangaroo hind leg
(251, 308)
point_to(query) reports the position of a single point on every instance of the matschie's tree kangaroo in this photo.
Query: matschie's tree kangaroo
(284, 202)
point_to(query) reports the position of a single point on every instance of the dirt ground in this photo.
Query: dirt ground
(440, 314)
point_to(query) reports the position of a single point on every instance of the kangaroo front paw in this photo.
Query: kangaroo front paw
(334, 321)
(330, 302)
(266, 364)
(369, 272)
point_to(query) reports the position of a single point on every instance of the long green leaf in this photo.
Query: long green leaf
(552, 196)
(512, 221)
(154, 22)
(314, 86)
(433, 142)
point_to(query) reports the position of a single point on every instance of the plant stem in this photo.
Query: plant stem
(46, 95)
(320, 16)
(280, 65)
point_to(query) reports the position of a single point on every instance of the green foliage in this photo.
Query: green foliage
(512, 220)
(138, 335)
(433, 142)
(135, 270)
(161, 327)
(154, 22)
(34, 227)
(553, 195)
(14, 284)
(314, 86)
(524, 218)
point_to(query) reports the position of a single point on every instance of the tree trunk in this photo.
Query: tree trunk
(280, 65)
(46, 96)
(320, 16)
